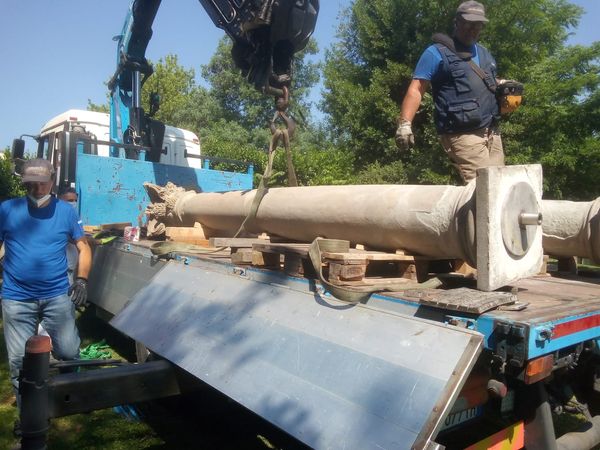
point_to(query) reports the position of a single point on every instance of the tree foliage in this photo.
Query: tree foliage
(241, 102)
(173, 83)
(366, 75)
(97, 107)
(10, 184)
(368, 71)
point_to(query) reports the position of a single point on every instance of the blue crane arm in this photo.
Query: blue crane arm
(125, 86)
(265, 34)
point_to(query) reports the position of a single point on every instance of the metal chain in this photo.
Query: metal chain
(283, 134)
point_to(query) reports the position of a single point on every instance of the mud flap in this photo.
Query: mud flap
(330, 374)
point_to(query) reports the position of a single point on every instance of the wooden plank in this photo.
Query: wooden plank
(461, 267)
(91, 228)
(114, 226)
(298, 266)
(544, 266)
(190, 235)
(185, 232)
(355, 254)
(346, 272)
(191, 240)
(376, 280)
(242, 257)
(407, 270)
(298, 249)
(235, 242)
(266, 259)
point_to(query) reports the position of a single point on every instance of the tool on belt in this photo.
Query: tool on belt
(509, 94)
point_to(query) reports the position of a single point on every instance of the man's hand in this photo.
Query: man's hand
(405, 138)
(78, 293)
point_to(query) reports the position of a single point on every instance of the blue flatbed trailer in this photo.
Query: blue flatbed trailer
(427, 375)
(411, 369)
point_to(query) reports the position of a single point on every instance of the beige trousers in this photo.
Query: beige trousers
(474, 150)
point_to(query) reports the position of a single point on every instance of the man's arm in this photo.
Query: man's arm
(412, 99)
(85, 258)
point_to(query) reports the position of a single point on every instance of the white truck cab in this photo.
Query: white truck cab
(180, 147)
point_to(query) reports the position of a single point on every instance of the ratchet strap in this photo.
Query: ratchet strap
(355, 294)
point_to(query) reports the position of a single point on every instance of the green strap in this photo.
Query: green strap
(165, 247)
(355, 294)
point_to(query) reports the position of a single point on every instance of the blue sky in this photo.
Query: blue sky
(58, 54)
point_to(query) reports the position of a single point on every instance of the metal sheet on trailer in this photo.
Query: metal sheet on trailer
(118, 274)
(330, 374)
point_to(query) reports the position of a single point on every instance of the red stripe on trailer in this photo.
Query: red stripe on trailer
(574, 326)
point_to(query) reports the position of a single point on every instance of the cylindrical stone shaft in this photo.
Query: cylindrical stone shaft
(434, 221)
(571, 228)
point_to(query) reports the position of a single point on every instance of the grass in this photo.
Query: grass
(7, 411)
(203, 419)
(103, 429)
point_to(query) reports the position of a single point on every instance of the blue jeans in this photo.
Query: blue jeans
(57, 316)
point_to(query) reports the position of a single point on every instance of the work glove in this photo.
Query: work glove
(405, 138)
(78, 292)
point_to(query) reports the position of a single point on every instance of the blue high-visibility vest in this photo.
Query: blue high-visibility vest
(463, 101)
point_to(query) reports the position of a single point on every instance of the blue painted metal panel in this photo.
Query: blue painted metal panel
(111, 189)
(537, 345)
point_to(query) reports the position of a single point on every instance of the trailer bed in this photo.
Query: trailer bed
(557, 311)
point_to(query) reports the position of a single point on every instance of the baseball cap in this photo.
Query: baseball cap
(37, 170)
(472, 11)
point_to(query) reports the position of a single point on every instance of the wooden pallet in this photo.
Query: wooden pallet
(355, 266)
(292, 258)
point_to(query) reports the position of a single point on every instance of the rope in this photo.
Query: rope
(278, 134)
(165, 247)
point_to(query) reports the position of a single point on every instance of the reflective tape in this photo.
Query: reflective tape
(511, 438)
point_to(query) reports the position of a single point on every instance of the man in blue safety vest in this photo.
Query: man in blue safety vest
(462, 75)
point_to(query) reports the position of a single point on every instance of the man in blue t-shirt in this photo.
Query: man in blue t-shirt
(462, 75)
(36, 230)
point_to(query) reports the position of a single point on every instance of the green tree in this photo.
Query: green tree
(10, 184)
(199, 111)
(241, 102)
(368, 71)
(173, 83)
(97, 107)
(233, 122)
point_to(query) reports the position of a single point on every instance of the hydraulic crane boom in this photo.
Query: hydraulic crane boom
(265, 34)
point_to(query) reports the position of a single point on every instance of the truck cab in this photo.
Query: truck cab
(179, 148)
(109, 176)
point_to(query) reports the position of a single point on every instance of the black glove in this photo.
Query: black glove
(78, 292)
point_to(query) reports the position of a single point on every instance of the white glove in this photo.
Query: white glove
(405, 138)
